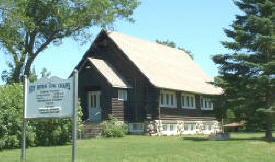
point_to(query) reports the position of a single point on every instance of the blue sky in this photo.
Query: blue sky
(196, 25)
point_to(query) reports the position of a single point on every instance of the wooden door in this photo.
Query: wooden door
(94, 106)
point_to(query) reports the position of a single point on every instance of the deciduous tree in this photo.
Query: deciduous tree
(28, 27)
(173, 45)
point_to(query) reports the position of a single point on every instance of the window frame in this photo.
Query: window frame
(169, 128)
(208, 127)
(168, 99)
(205, 102)
(188, 101)
(122, 94)
(165, 127)
(190, 127)
(94, 99)
(136, 127)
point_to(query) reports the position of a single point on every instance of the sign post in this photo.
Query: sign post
(51, 98)
(23, 156)
(75, 115)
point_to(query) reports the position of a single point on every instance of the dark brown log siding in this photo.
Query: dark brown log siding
(152, 103)
(180, 113)
(118, 109)
(138, 104)
(91, 80)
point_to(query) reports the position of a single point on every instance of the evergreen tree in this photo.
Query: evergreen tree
(247, 75)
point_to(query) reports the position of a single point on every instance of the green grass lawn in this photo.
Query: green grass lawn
(242, 147)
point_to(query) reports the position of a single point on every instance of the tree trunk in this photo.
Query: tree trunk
(16, 73)
(268, 133)
(28, 67)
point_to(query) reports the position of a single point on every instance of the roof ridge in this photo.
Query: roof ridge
(148, 41)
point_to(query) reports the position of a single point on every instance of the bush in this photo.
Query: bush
(55, 131)
(11, 117)
(114, 128)
(39, 132)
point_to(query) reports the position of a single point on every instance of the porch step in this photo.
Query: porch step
(91, 130)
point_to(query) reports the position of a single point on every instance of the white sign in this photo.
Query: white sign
(50, 98)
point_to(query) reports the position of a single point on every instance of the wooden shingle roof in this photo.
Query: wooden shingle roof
(165, 67)
(109, 73)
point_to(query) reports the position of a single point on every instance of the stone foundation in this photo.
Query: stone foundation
(177, 127)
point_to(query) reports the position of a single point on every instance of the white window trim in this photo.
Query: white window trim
(169, 131)
(124, 94)
(210, 126)
(189, 131)
(208, 101)
(188, 107)
(165, 93)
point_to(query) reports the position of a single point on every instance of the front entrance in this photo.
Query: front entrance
(94, 106)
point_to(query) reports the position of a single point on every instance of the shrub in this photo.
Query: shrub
(55, 131)
(11, 117)
(114, 128)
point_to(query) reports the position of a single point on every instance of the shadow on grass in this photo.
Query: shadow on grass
(195, 138)
(257, 136)
(252, 139)
(247, 138)
(206, 138)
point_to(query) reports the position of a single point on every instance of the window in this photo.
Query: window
(208, 127)
(138, 126)
(190, 127)
(212, 127)
(161, 99)
(134, 126)
(169, 127)
(172, 100)
(206, 104)
(94, 99)
(185, 127)
(122, 95)
(164, 127)
(188, 101)
(168, 99)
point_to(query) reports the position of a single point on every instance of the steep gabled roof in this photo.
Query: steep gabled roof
(165, 67)
(109, 73)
